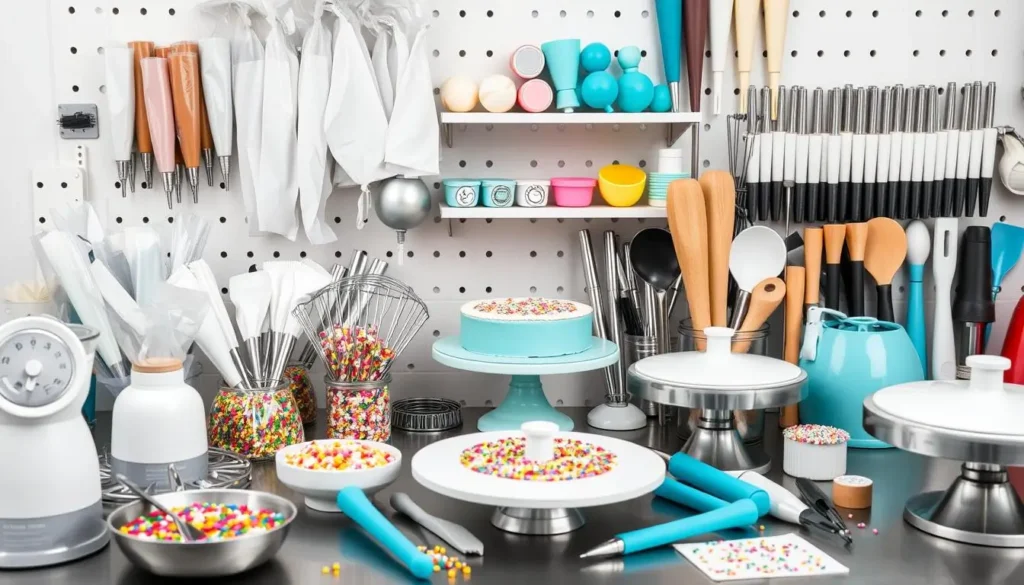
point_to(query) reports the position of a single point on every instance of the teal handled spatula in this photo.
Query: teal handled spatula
(1007, 244)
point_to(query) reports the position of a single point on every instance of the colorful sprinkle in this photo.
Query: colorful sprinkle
(216, 521)
(761, 528)
(861, 525)
(301, 388)
(874, 531)
(816, 434)
(255, 423)
(339, 456)
(526, 307)
(850, 516)
(359, 413)
(505, 458)
(355, 354)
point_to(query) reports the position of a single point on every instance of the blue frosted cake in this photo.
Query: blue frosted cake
(526, 327)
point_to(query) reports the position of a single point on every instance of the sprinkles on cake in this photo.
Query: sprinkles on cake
(573, 459)
(816, 434)
(526, 307)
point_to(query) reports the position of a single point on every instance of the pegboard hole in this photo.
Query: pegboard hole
(462, 53)
(411, 366)
(969, 52)
(103, 89)
(995, 52)
(998, 13)
(437, 53)
(533, 163)
(115, 10)
(223, 186)
(74, 88)
(1002, 218)
(462, 254)
(119, 219)
(462, 13)
(916, 52)
(488, 289)
(642, 163)
(533, 289)
(437, 290)
(533, 253)
(560, 254)
(846, 53)
(71, 9)
(410, 254)
(277, 254)
(223, 219)
(436, 333)
(99, 50)
(588, 164)
(590, 14)
(822, 14)
(145, 220)
(489, 253)
(945, 13)
(618, 14)
(462, 163)
(74, 50)
(489, 164)
(970, 13)
(99, 10)
(490, 53)
(462, 289)
(437, 254)
(764, 54)
(535, 14)
(170, 219)
(437, 219)
(223, 254)
(918, 14)
(821, 53)
(849, 13)
(42, 220)
(39, 184)
(389, 253)
(707, 164)
(941, 91)
(337, 219)
(736, 91)
(171, 12)
(249, 254)
(561, 164)
(436, 14)
(302, 254)
(560, 289)
(873, 52)
(792, 53)
(224, 290)
(796, 14)
(562, 14)
(644, 14)
(65, 185)
(143, 11)
(490, 13)
(707, 91)
(942, 53)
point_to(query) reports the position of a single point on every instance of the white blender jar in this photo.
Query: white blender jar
(50, 502)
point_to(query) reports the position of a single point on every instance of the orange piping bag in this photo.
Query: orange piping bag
(184, 73)
(143, 142)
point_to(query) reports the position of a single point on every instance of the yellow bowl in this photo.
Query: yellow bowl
(621, 185)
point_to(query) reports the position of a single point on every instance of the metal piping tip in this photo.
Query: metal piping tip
(122, 176)
(179, 178)
(909, 101)
(919, 108)
(933, 106)
(874, 113)
(976, 104)
(208, 165)
(949, 115)
(168, 179)
(860, 117)
(835, 100)
(131, 173)
(898, 96)
(225, 171)
(193, 183)
(792, 117)
(781, 109)
(818, 111)
(990, 104)
(847, 108)
(965, 108)
(802, 111)
(608, 548)
(751, 110)
(673, 88)
(765, 109)
(147, 167)
(885, 120)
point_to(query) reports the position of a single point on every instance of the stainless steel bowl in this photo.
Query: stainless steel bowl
(202, 559)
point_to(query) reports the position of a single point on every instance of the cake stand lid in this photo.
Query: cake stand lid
(984, 405)
(718, 367)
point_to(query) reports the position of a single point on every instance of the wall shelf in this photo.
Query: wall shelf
(551, 212)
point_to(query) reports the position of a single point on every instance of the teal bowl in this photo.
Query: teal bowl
(497, 192)
(461, 192)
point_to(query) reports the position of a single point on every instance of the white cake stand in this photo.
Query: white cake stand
(531, 507)
(525, 400)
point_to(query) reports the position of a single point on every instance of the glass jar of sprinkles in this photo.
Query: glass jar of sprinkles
(255, 423)
(301, 387)
(359, 410)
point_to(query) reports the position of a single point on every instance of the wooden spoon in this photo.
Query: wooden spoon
(720, 202)
(812, 262)
(835, 234)
(687, 219)
(795, 278)
(764, 299)
(856, 242)
(885, 253)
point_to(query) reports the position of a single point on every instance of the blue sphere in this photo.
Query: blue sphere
(629, 57)
(662, 99)
(600, 90)
(595, 57)
(636, 91)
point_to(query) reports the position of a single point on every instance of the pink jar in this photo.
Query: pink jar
(573, 191)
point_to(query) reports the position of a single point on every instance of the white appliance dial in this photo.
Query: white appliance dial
(36, 368)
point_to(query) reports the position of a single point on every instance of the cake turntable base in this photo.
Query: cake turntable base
(525, 400)
(980, 507)
(535, 507)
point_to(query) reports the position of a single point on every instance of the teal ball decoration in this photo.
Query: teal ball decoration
(595, 57)
(629, 57)
(600, 90)
(662, 101)
(636, 91)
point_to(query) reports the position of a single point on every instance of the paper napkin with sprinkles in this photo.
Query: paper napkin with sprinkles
(760, 558)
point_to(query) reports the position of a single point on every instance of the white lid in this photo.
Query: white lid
(984, 405)
(718, 367)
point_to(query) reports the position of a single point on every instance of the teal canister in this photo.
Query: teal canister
(847, 360)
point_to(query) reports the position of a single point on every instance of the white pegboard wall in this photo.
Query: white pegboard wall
(828, 44)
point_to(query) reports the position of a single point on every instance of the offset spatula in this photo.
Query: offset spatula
(457, 536)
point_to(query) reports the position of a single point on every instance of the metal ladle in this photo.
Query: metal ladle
(653, 257)
(188, 532)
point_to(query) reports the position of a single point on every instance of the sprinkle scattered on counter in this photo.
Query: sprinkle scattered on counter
(339, 456)
(217, 521)
(505, 458)
(861, 525)
(442, 562)
(874, 531)
(850, 516)
(816, 434)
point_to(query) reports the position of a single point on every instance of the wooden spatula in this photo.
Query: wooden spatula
(764, 299)
(856, 242)
(813, 238)
(835, 234)
(720, 202)
(886, 250)
(687, 219)
(795, 279)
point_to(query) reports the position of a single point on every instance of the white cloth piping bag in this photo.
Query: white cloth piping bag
(119, 64)
(720, 19)
(215, 64)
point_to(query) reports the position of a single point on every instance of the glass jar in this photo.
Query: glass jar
(301, 387)
(749, 423)
(359, 410)
(255, 423)
(639, 347)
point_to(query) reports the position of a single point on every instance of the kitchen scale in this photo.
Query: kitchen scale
(977, 422)
(718, 382)
(536, 507)
(50, 504)
(525, 400)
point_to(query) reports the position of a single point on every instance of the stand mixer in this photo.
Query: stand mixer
(50, 507)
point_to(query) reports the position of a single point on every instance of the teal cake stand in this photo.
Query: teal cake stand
(525, 400)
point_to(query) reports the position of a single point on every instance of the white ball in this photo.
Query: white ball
(459, 94)
(497, 94)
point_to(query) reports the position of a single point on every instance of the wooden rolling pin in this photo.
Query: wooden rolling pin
(795, 279)
(812, 263)
(764, 299)
(687, 219)
(720, 202)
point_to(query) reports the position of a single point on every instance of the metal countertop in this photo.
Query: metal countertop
(898, 554)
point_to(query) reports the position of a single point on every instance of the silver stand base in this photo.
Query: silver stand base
(537, 521)
(716, 442)
(981, 508)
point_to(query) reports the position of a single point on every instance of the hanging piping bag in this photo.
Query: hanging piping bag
(312, 168)
(146, 261)
(119, 63)
(215, 63)
(355, 120)
(382, 59)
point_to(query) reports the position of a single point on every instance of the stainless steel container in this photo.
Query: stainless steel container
(639, 347)
(749, 423)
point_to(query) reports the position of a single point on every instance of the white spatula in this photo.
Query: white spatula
(757, 253)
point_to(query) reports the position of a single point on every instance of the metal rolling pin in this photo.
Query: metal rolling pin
(931, 137)
(884, 150)
(802, 150)
(834, 155)
(950, 124)
(988, 153)
(816, 156)
(846, 154)
(871, 152)
(963, 153)
(902, 203)
(779, 152)
(917, 169)
(860, 124)
(977, 146)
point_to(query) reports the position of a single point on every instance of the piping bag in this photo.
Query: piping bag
(670, 24)
(178, 177)
(313, 170)
(159, 111)
(277, 190)
(215, 66)
(184, 73)
(120, 81)
(721, 18)
(746, 13)
(209, 337)
(354, 120)
(205, 135)
(143, 142)
(776, 13)
(695, 22)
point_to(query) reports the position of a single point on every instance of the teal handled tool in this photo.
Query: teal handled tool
(919, 246)
(716, 482)
(354, 504)
(685, 495)
(735, 515)
(1007, 245)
